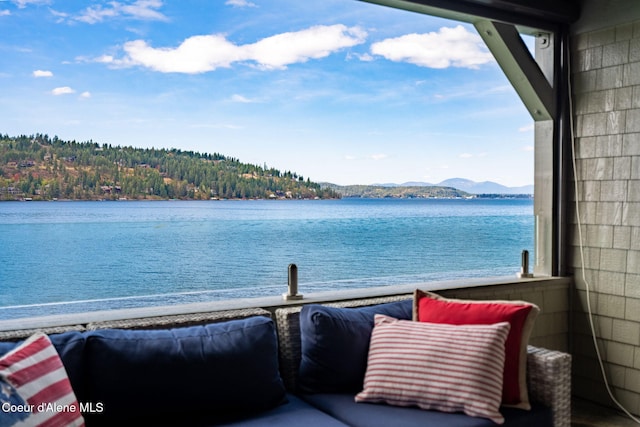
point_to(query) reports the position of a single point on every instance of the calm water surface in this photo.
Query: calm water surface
(61, 257)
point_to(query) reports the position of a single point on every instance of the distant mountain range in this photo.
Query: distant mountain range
(397, 191)
(466, 185)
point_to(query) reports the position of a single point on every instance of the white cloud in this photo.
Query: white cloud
(64, 90)
(313, 43)
(449, 47)
(61, 15)
(241, 99)
(5, 12)
(498, 89)
(240, 3)
(527, 128)
(200, 54)
(144, 9)
(105, 59)
(24, 3)
(94, 14)
(196, 54)
(85, 95)
(528, 148)
(364, 57)
(42, 73)
(139, 9)
(379, 156)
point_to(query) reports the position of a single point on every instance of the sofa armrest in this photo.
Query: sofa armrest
(289, 345)
(549, 382)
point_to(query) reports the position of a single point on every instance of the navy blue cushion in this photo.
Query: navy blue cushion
(335, 344)
(295, 413)
(70, 347)
(158, 377)
(343, 407)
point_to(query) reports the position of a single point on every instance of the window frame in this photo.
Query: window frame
(542, 83)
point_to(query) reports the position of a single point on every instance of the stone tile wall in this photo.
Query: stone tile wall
(606, 100)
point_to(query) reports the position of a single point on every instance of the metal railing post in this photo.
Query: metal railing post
(292, 293)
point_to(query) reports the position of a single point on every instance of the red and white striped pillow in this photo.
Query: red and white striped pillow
(36, 387)
(450, 368)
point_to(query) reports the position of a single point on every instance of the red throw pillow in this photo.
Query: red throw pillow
(429, 307)
(35, 387)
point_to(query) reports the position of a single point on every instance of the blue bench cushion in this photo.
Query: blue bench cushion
(295, 413)
(343, 407)
(335, 344)
(208, 372)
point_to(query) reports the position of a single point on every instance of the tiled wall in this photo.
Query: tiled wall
(606, 100)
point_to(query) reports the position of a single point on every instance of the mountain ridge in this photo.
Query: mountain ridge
(402, 192)
(467, 185)
(38, 167)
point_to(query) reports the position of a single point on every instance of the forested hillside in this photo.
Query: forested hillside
(398, 192)
(42, 168)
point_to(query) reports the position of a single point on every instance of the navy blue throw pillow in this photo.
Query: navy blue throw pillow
(158, 377)
(335, 345)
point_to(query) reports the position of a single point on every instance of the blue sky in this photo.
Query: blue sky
(339, 90)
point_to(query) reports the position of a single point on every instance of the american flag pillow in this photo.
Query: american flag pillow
(34, 387)
(449, 368)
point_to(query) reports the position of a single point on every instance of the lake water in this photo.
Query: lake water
(60, 257)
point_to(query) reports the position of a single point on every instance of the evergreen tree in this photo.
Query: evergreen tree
(89, 170)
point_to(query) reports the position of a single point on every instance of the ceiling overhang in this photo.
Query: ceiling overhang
(528, 15)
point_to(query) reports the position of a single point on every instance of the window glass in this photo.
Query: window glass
(325, 95)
